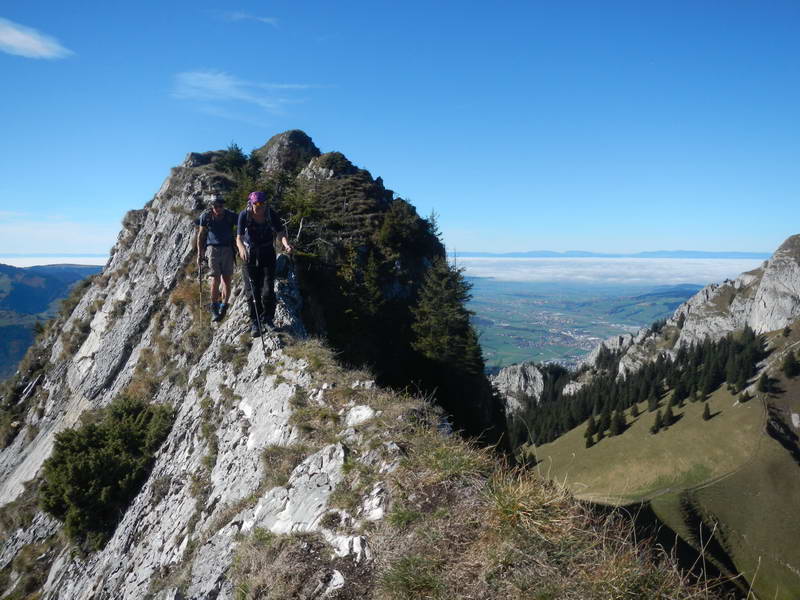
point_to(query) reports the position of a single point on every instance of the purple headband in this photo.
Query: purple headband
(257, 197)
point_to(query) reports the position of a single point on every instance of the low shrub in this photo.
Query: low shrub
(69, 303)
(97, 469)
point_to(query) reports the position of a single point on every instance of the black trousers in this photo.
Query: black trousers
(259, 283)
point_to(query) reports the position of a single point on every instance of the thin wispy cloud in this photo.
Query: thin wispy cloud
(24, 41)
(224, 113)
(216, 91)
(239, 15)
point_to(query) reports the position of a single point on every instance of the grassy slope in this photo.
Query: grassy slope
(639, 465)
(738, 476)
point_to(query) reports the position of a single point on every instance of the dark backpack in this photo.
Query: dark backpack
(268, 225)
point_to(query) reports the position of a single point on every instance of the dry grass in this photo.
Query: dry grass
(32, 563)
(19, 513)
(465, 525)
(324, 368)
(462, 524)
(271, 567)
(73, 339)
(280, 461)
(359, 479)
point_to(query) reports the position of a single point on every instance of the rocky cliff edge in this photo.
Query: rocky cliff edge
(277, 476)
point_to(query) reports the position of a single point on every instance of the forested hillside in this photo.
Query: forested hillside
(29, 296)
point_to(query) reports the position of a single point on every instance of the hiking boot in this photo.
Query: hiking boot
(255, 331)
(215, 311)
(223, 308)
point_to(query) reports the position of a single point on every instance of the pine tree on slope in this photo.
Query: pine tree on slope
(442, 329)
(791, 368)
(657, 424)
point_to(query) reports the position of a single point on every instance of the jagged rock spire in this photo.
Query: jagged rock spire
(288, 151)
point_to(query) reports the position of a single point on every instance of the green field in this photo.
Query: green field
(638, 465)
(727, 473)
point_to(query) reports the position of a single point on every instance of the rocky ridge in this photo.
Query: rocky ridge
(516, 382)
(141, 321)
(281, 466)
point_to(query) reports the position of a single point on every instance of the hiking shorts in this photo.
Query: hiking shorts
(220, 260)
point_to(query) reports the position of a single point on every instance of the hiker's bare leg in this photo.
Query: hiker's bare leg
(215, 289)
(226, 288)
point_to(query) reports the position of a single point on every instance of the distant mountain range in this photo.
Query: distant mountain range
(28, 295)
(584, 254)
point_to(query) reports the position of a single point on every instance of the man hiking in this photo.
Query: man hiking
(215, 244)
(258, 225)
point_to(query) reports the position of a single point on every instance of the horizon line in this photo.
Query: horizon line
(593, 254)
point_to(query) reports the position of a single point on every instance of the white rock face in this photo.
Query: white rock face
(516, 381)
(301, 504)
(765, 299)
(358, 415)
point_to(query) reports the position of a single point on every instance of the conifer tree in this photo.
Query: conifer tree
(731, 370)
(669, 417)
(657, 424)
(706, 412)
(787, 331)
(591, 427)
(614, 428)
(763, 383)
(442, 329)
(713, 377)
(791, 368)
(449, 354)
(741, 378)
(652, 402)
(679, 393)
(589, 441)
(672, 400)
(605, 421)
(618, 423)
(634, 410)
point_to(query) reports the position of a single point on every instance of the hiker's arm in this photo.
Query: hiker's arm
(285, 242)
(242, 250)
(202, 234)
(279, 228)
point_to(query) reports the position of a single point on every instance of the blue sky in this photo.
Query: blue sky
(603, 126)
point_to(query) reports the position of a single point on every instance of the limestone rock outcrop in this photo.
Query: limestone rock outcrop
(765, 299)
(522, 380)
(141, 322)
(289, 151)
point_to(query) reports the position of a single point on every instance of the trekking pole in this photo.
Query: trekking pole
(200, 281)
(255, 308)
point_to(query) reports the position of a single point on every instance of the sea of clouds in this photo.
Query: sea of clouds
(617, 271)
(54, 259)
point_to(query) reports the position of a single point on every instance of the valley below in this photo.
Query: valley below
(559, 310)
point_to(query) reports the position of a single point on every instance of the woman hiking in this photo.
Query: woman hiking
(255, 240)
